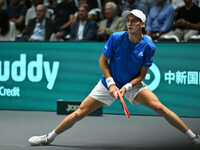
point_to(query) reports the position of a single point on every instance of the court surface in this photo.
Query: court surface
(109, 132)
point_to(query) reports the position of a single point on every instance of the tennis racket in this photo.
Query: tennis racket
(123, 105)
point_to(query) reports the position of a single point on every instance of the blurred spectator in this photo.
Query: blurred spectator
(92, 15)
(31, 12)
(63, 16)
(16, 12)
(95, 14)
(83, 29)
(27, 3)
(186, 23)
(91, 3)
(118, 3)
(143, 5)
(51, 4)
(176, 4)
(111, 24)
(79, 2)
(3, 5)
(7, 28)
(159, 19)
(146, 5)
(196, 2)
(40, 28)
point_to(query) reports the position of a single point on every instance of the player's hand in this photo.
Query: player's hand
(122, 91)
(113, 91)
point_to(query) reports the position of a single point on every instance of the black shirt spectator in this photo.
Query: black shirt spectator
(17, 12)
(186, 23)
(191, 15)
(62, 15)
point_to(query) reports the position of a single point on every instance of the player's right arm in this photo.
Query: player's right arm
(103, 62)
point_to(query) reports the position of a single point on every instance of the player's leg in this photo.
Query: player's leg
(149, 99)
(98, 97)
(86, 107)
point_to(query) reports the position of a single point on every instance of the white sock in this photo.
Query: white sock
(52, 135)
(190, 134)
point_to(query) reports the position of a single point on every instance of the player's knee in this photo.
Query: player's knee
(159, 108)
(79, 114)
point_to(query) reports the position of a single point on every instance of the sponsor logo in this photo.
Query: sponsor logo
(106, 47)
(34, 71)
(154, 77)
(140, 54)
(14, 92)
(72, 107)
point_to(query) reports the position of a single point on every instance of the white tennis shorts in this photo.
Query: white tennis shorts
(100, 93)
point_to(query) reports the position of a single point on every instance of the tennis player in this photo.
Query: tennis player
(124, 62)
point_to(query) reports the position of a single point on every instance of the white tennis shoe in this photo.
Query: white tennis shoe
(40, 140)
(196, 140)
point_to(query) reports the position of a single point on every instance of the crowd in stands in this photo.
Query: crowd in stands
(96, 20)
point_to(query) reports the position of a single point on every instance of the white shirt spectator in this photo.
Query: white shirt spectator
(39, 31)
(80, 30)
(11, 35)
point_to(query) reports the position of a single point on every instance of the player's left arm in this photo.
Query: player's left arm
(136, 80)
(140, 77)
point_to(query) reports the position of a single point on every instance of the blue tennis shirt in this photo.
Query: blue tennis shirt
(126, 58)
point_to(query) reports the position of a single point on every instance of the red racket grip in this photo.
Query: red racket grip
(124, 105)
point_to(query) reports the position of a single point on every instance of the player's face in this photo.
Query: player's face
(133, 24)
